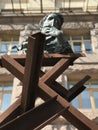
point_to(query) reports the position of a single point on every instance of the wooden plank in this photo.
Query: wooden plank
(32, 69)
(49, 120)
(66, 104)
(57, 69)
(12, 112)
(19, 58)
(77, 88)
(52, 59)
(16, 68)
(56, 87)
(74, 116)
(70, 94)
(57, 55)
(13, 66)
(74, 94)
(48, 60)
(10, 63)
(36, 118)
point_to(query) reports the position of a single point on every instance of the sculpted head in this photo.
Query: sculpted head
(54, 19)
(55, 41)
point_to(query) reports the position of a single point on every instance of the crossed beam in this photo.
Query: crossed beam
(37, 83)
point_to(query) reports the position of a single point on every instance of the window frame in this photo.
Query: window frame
(82, 41)
(3, 92)
(91, 91)
(10, 45)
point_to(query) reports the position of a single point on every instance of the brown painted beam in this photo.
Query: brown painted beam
(52, 59)
(32, 69)
(74, 116)
(41, 88)
(57, 69)
(77, 88)
(48, 59)
(17, 70)
(66, 104)
(19, 58)
(70, 94)
(13, 66)
(37, 118)
(57, 87)
(12, 112)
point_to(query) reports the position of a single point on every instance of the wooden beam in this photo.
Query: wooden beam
(61, 101)
(19, 58)
(12, 112)
(52, 59)
(48, 59)
(57, 69)
(54, 85)
(77, 88)
(36, 118)
(13, 66)
(71, 114)
(18, 70)
(57, 87)
(32, 69)
(68, 94)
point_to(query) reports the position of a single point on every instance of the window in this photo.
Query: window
(77, 47)
(88, 99)
(88, 47)
(5, 95)
(96, 98)
(6, 47)
(75, 102)
(81, 44)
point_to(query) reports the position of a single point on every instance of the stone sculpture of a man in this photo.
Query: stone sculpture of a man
(55, 42)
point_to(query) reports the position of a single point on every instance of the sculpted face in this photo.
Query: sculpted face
(52, 20)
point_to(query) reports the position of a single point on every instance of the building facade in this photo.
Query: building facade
(80, 28)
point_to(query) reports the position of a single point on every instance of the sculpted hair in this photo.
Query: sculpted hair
(60, 17)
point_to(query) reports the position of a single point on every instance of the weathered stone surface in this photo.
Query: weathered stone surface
(66, 25)
(78, 25)
(89, 58)
(96, 25)
(7, 27)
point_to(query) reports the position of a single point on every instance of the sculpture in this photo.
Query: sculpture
(55, 42)
(23, 39)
